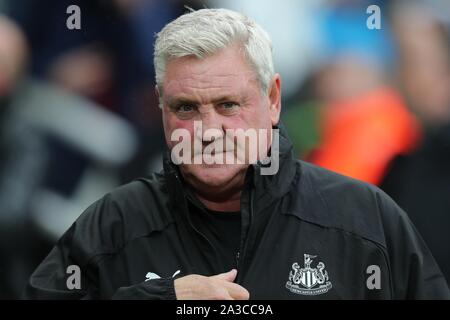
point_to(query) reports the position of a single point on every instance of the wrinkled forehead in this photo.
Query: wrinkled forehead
(224, 71)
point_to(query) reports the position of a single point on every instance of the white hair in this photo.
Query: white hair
(205, 32)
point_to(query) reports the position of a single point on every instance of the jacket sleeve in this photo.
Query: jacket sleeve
(413, 271)
(63, 274)
(71, 271)
(156, 289)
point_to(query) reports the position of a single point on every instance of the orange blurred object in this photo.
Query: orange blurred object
(361, 135)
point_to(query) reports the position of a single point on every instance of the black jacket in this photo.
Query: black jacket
(306, 233)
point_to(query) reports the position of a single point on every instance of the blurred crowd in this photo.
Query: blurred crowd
(79, 116)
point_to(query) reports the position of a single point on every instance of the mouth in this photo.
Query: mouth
(213, 153)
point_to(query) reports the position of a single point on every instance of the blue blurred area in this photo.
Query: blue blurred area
(342, 33)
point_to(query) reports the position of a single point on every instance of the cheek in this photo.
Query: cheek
(171, 123)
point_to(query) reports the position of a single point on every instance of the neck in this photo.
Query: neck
(224, 197)
(232, 203)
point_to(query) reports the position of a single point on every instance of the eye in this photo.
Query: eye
(185, 108)
(229, 106)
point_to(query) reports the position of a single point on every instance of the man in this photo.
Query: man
(282, 229)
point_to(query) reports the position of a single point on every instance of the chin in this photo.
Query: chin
(214, 176)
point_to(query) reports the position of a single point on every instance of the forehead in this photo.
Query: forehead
(226, 72)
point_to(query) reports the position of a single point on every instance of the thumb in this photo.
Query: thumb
(227, 276)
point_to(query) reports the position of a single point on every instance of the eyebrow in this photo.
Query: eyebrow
(174, 101)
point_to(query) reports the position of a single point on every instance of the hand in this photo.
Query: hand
(218, 287)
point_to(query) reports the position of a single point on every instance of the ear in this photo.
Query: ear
(158, 94)
(274, 95)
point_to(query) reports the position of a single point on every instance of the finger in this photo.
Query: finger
(227, 276)
(236, 291)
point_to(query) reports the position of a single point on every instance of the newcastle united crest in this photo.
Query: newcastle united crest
(308, 281)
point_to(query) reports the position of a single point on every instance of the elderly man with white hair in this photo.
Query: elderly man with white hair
(234, 215)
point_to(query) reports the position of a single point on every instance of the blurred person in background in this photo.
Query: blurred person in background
(354, 122)
(420, 181)
(22, 164)
(41, 193)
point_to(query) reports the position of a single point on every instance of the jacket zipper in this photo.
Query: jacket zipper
(241, 254)
(242, 250)
(198, 232)
(187, 214)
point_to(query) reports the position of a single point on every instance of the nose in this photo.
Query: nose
(212, 127)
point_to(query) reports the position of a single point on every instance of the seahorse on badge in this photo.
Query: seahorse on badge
(322, 275)
(296, 274)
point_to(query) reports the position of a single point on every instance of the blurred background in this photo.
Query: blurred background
(78, 113)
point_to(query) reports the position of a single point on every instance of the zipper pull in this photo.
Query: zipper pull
(237, 259)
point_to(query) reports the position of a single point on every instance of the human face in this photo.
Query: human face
(222, 92)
